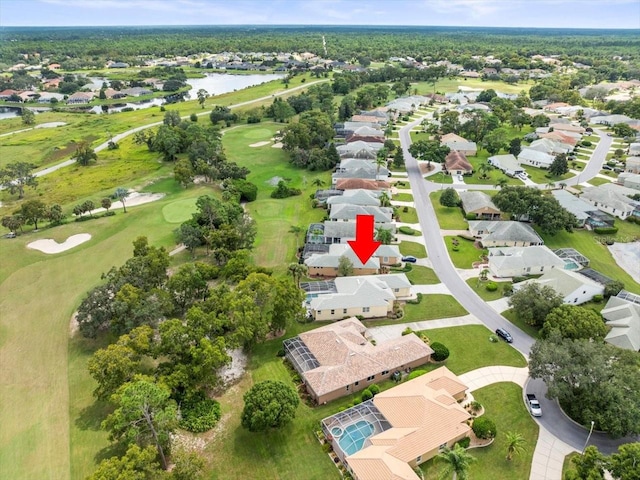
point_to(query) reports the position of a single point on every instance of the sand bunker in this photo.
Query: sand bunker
(259, 144)
(277, 145)
(50, 246)
(134, 198)
(627, 256)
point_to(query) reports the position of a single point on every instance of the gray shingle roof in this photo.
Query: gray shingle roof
(349, 212)
(473, 200)
(505, 231)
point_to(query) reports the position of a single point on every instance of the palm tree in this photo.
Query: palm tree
(483, 169)
(501, 182)
(121, 193)
(457, 462)
(317, 182)
(296, 230)
(385, 201)
(297, 271)
(384, 235)
(551, 185)
(381, 160)
(515, 444)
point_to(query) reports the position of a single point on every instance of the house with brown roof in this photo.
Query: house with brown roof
(337, 359)
(80, 97)
(400, 428)
(456, 163)
(353, 183)
(456, 143)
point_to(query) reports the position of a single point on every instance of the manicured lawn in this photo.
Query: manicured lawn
(539, 175)
(466, 254)
(403, 197)
(504, 405)
(525, 327)
(179, 211)
(431, 307)
(480, 288)
(412, 248)
(410, 216)
(440, 178)
(492, 176)
(470, 348)
(449, 218)
(601, 260)
(422, 275)
(274, 247)
(599, 180)
(452, 84)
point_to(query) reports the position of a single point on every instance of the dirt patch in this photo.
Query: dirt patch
(66, 151)
(273, 181)
(74, 326)
(259, 144)
(425, 168)
(627, 256)
(234, 371)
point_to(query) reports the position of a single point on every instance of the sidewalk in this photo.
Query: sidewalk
(389, 332)
(548, 456)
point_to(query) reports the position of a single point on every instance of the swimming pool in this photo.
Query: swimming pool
(353, 436)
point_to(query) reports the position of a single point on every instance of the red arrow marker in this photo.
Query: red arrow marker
(364, 245)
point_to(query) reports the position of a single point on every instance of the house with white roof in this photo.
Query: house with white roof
(507, 163)
(632, 165)
(504, 234)
(357, 196)
(623, 317)
(366, 296)
(529, 156)
(480, 204)
(326, 264)
(629, 180)
(341, 232)
(612, 199)
(574, 288)
(551, 147)
(345, 212)
(522, 261)
(359, 149)
(337, 359)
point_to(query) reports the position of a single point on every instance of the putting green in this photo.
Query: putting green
(258, 133)
(179, 211)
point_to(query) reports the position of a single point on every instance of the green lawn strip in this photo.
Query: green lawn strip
(453, 84)
(422, 275)
(466, 252)
(419, 135)
(274, 247)
(449, 218)
(525, 327)
(480, 288)
(598, 254)
(492, 176)
(599, 181)
(591, 138)
(441, 178)
(470, 348)
(539, 175)
(403, 197)
(413, 248)
(408, 216)
(431, 307)
(504, 405)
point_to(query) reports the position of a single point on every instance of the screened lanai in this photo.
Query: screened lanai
(299, 355)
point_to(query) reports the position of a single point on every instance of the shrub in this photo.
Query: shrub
(283, 191)
(199, 414)
(519, 279)
(407, 331)
(606, 230)
(366, 395)
(415, 374)
(417, 300)
(374, 389)
(507, 289)
(491, 286)
(254, 119)
(357, 401)
(405, 209)
(440, 352)
(476, 406)
(248, 191)
(280, 353)
(193, 117)
(449, 198)
(586, 143)
(471, 216)
(407, 230)
(484, 427)
(464, 443)
(598, 298)
(108, 214)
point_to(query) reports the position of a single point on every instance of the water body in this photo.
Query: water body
(12, 112)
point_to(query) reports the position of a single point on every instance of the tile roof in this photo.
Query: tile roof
(457, 161)
(508, 231)
(354, 183)
(473, 200)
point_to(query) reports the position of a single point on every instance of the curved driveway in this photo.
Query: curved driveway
(120, 136)
(553, 419)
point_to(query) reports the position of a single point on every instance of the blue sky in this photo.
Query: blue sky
(498, 13)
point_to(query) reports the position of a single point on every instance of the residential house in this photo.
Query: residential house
(323, 196)
(345, 212)
(480, 204)
(366, 296)
(504, 234)
(369, 118)
(611, 199)
(360, 173)
(634, 149)
(357, 196)
(365, 138)
(136, 91)
(47, 97)
(585, 212)
(535, 158)
(567, 138)
(456, 163)
(326, 265)
(574, 288)
(629, 180)
(567, 127)
(632, 165)
(8, 93)
(347, 164)
(361, 183)
(551, 147)
(457, 143)
(80, 97)
(407, 425)
(521, 261)
(507, 163)
(337, 359)
(359, 149)
(623, 317)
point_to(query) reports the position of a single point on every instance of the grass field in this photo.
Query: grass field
(539, 176)
(403, 197)
(433, 306)
(440, 178)
(449, 218)
(410, 216)
(481, 290)
(48, 416)
(466, 254)
(422, 275)
(470, 348)
(412, 248)
(504, 405)
(451, 85)
(492, 176)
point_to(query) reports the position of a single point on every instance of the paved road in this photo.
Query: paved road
(120, 136)
(553, 419)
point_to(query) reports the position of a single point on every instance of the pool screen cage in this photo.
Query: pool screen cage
(364, 413)
(573, 255)
(299, 355)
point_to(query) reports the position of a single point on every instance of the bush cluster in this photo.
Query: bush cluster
(440, 351)
(199, 414)
(606, 230)
(491, 287)
(484, 427)
(407, 230)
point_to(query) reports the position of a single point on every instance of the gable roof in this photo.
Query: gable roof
(349, 212)
(610, 195)
(532, 155)
(573, 204)
(457, 161)
(357, 196)
(505, 231)
(461, 146)
(353, 183)
(505, 162)
(624, 319)
(564, 282)
(510, 258)
(452, 137)
(473, 200)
